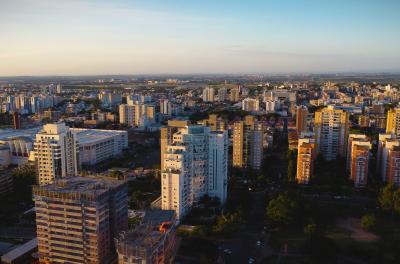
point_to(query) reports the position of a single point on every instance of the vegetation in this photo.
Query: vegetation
(368, 221)
(389, 198)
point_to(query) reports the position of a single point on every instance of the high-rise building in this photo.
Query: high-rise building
(382, 140)
(392, 165)
(359, 163)
(127, 115)
(194, 164)
(137, 114)
(59, 88)
(353, 138)
(301, 119)
(305, 160)
(208, 94)
(247, 143)
(17, 120)
(78, 218)
(331, 129)
(165, 107)
(234, 95)
(393, 121)
(55, 153)
(222, 94)
(388, 158)
(363, 121)
(166, 135)
(251, 105)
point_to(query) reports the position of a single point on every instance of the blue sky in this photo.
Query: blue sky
(54, 37)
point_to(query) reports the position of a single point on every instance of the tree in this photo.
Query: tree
(310, 230)
(368, 221)
(284, 209)
(389, 198)
(23, 179)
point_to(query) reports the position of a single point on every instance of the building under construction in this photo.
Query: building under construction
(152, 241)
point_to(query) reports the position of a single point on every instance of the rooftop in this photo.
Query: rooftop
(79, 187)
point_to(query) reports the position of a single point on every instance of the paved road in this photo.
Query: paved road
(243, 245)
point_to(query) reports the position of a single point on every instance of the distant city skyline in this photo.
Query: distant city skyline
(87, 37)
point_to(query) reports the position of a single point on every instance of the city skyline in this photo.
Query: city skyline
(84, 37)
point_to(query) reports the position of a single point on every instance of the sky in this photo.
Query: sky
(86, 37)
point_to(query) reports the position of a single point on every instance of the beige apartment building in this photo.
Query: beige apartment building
(393, 121)
(305, 160)
(247, 143)
(331, 127)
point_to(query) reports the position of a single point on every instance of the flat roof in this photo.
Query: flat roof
(81, 187)
(19, 251)
(93, 135)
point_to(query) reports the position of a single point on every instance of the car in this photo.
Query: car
(258, 243)
(250, 261)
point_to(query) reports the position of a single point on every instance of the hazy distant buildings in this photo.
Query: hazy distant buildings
(139, 113)
(234, 95)
(208, 94)
(55, 153)
(77, 219)
(251, 105)
(222, 94)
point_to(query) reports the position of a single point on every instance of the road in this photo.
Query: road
(243, 244)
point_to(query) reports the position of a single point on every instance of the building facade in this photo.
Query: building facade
(247, 143)
(331, 128)
(194, 164)
(56, 151)
(77, 219)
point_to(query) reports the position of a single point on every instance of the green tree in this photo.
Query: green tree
(284, 209)
(23, 179)
(368, 221)
(310, 230)
(389, 198)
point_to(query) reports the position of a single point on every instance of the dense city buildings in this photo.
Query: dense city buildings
(56, 153)
(77, 219)
(194, 164)
(247, 143)
(331, 127)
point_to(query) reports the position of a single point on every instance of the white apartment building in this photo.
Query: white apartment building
(137, 114)
(55, 153)
(251, 105)
(96, 145)
(208, 94)
(127, 114)
(194, 164)
(222, 94)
